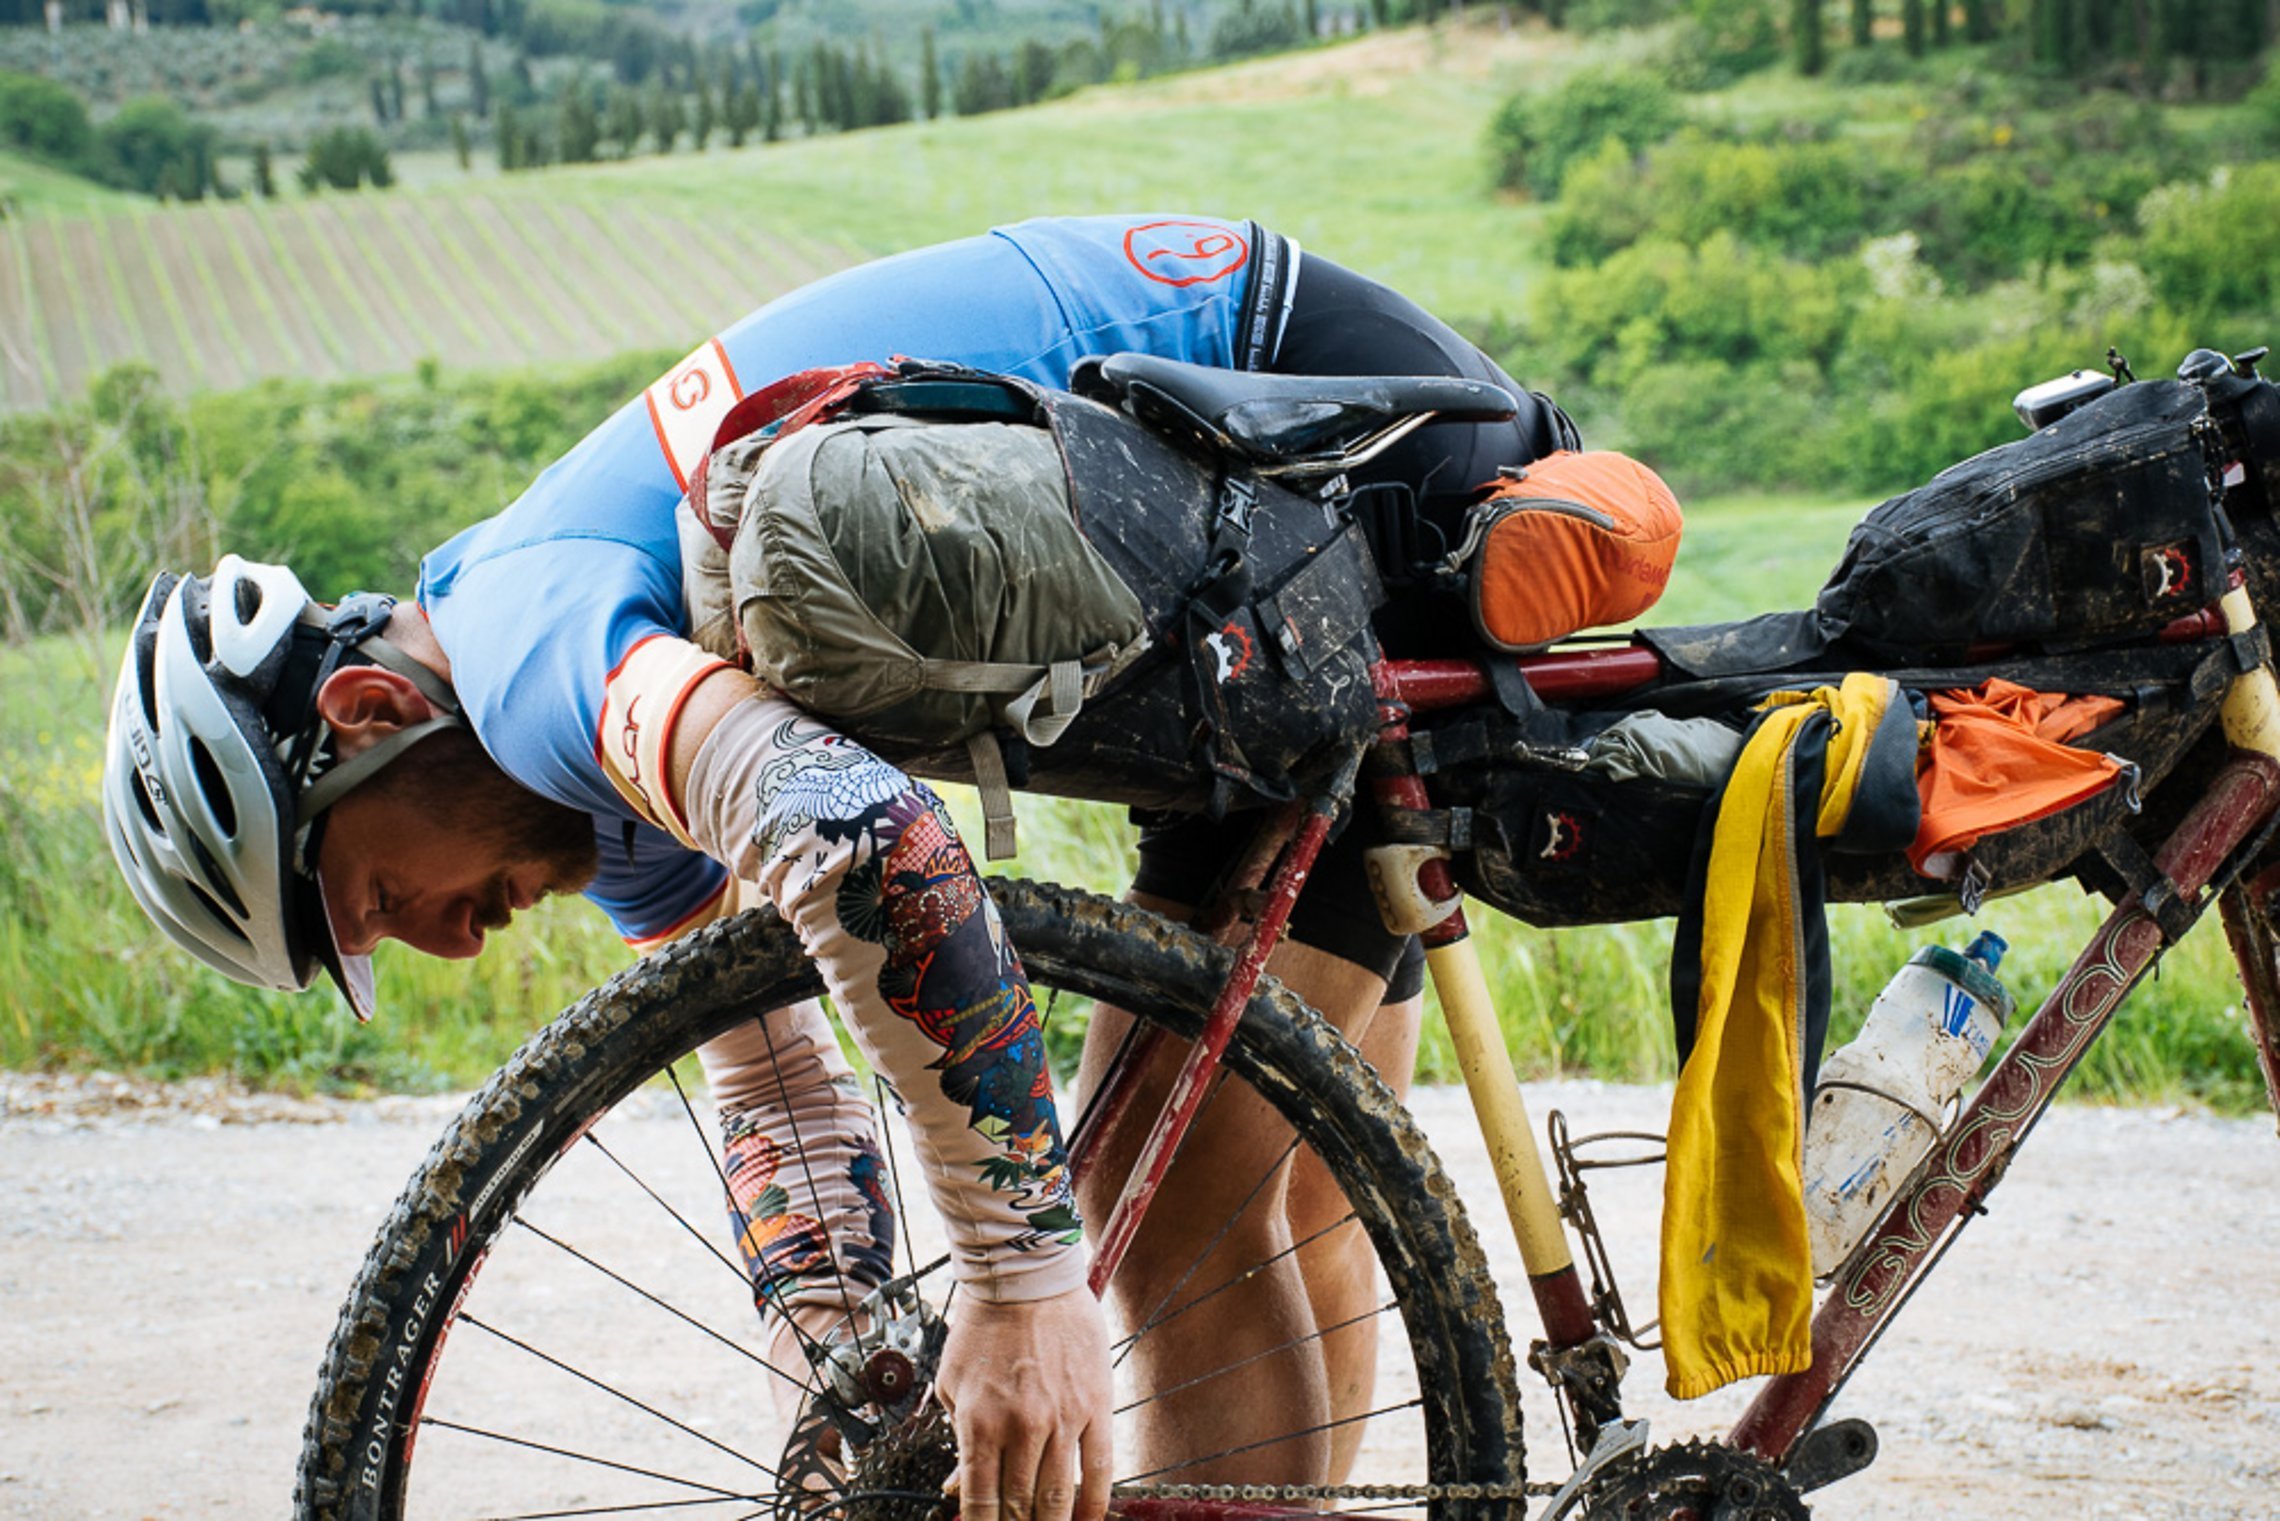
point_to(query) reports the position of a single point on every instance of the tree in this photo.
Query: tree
(1032, 72)
(153, 146)
(43, 117)
(461, 148)
(578, 127)
(1941, 20)
(1863, 22)
(264, 173)
(625, 121)
(1912, 26)
(702, 132)
(1809, 37)
(509, 132)
(345, 158)
(428, 107)
(930, 74)
(666, 119)
(743, 114)
(478, 82)
(774, 118)
(1979, 20)
(379, 101)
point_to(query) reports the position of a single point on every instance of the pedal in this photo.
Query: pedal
(1829, 1453)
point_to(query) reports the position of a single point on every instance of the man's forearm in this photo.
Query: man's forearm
(866, 865)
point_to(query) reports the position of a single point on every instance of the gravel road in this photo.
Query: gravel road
(2105, 1344)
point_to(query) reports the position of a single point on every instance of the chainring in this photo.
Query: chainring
(1693, 1481)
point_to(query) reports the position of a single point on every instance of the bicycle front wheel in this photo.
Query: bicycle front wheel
(563, 1242)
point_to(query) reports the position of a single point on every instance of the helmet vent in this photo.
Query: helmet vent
(215, 786)
(215, 909)
(219, 882)
(248, 599)
(146, 808)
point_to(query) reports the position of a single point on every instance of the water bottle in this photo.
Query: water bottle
(1874, 1113)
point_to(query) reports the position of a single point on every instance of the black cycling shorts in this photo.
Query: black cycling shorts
(1308, 316)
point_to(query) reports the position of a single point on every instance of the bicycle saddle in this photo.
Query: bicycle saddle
(1270, 419)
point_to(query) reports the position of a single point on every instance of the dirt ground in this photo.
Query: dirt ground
(2104, 1344)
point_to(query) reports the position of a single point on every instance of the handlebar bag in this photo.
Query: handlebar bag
(1579, 539)
(984, 581)
(2102, 525)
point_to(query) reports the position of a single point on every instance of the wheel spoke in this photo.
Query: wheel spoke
(1244, 1362)
(1241, 1278)
(1156, 1315)
(678, 1218)
(715, 1494)
(669, 1308)
(1273, 1441)
(847, 1305)
(736, 1211)
(616, 1393)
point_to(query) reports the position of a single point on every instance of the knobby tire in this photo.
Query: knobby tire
(365, 1425)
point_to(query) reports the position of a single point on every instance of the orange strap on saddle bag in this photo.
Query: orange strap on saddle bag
(1579, 539)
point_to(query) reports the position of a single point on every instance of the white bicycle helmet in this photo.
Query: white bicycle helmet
(217, 769)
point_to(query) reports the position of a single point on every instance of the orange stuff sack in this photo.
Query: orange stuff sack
(1574, 541)
(1998, 758)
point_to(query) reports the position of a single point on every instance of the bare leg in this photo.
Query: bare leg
(1241, 1366)
(1340, 1269)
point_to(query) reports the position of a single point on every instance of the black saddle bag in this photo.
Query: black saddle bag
(1257, 602)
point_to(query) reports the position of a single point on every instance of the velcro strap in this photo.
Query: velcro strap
(1449, 827)
(2153, 889)
(2250, 649)
(988, 761)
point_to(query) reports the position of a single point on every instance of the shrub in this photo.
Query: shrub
(42, 117)
(1535, 137)
(1808, 200)
(344, 158)
(153, 146)
(2208, 246)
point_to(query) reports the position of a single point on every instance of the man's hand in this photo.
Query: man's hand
(1027, 1386)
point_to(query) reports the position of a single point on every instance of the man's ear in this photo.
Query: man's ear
(365, 704)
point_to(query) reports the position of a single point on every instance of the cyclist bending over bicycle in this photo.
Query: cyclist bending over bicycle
(266, 800)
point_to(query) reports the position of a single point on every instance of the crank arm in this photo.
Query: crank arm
(1616, 1442)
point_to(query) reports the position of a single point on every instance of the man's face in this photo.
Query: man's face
(440, 847)
(395, 867)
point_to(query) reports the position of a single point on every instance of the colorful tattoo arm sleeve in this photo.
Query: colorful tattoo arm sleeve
(865, 864)
(811, 1207)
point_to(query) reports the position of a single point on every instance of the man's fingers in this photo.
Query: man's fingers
(1096, 1471)
(1056, 1479)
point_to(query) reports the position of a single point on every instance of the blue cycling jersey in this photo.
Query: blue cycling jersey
(539, 605)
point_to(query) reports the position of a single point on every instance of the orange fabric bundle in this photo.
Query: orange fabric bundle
(1998, 758)
(1574, 541)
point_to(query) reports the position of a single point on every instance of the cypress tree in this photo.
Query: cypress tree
(461, 148)
(478, 82)
(1941, 36)
(1807, 37)
(1912, 26)
(1863, 22)
(1979, 20)
(930, 73)
(264, 173)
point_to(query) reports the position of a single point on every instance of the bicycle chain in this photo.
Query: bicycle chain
(1257, 1494)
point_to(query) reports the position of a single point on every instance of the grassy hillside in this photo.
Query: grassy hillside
(1367, 150)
